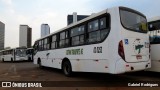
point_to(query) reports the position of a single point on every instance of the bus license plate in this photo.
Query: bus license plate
(139, 57)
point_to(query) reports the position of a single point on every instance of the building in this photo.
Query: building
(2, 35)
(45, 30)
(74, 18)
(25, 36)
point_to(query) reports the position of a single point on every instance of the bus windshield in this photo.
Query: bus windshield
(154, 32)
(21, 52)
(133, 21)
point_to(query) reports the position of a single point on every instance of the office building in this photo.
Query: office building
(45, 30)
(25, 36)
(2, 35)
(74, 18)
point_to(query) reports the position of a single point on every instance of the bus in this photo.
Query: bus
(112, 41)
(154, 33)
(29, 53)
(15, 54)
(1, 55)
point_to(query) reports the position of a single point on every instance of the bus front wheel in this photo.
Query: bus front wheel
(67, 69)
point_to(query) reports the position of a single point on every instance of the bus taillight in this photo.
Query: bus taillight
(121, 50)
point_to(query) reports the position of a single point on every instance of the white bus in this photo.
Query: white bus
(15, 54)
(112, 41)
(154, 32)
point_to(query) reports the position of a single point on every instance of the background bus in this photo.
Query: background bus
(30, 53)
(112, 41)
(154, 32)
(15, 54)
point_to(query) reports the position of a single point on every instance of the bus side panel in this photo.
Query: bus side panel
(42, 56)
(7, 57)
(90, 66)
(155, 58)
(155, 52)
(91, 60)
(155, 66)
(116, 64)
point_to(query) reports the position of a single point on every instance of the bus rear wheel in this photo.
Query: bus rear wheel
(39, 63)
(3, 60)
(67, 69)
(29, 59)
(11, 59)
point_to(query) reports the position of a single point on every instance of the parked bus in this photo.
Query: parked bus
(15, 54)
(154, 32)
(1, 55)
(30, 53)
(112, 41)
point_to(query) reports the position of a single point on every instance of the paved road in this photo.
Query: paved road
(27, 71)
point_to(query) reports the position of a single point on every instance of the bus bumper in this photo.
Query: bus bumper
(122, 66)
(21, 59)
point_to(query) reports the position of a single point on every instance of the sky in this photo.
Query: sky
(54, 12)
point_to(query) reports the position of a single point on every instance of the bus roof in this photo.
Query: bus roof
(78, 22)
(6, 49)
(154, 18)
(13, 48)
(83, 20)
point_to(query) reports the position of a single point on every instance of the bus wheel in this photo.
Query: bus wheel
(3, 60)
(67, 69)
(39, 63)
(29, 59)
(11, 59)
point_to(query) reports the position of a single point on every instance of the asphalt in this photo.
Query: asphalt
(54, 79)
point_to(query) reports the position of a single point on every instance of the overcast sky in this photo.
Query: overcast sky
(54, 12)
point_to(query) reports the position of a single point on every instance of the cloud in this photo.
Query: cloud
(7, 2)
(8, 6)
(54, 13)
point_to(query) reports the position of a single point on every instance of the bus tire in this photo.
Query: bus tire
(39, 63)
(3, 60)
(67, 69)
(11, 59)
(29, 59)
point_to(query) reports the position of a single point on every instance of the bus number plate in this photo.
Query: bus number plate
(97, 50)
(139, 57)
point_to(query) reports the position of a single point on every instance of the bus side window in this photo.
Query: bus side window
(54, 42)
(46, 43)
(62, 39)
(40, 45)
(104, 27)
(77, 35)
(93, 31)
(98, 29)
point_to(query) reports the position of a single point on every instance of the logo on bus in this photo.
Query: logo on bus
(74, 51)
(138, 48)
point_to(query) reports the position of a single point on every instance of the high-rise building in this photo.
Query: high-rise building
(2, 35)
(45, 30)
(74, 18)
(25, 36)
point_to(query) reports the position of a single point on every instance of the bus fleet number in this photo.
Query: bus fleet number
(97, 50)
